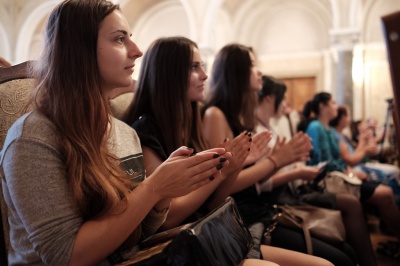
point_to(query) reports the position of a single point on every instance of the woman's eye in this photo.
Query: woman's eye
(120, 39)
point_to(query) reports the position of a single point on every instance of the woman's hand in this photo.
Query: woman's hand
(361, 175)
(239, 147)
(182, 173)
(259, 147)
(308, 173)
(297, 149)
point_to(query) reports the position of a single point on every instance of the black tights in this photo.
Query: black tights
(356, 228)
(342, 254)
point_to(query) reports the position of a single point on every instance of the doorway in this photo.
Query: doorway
(299, 91)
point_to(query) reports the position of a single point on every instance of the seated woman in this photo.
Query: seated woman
(165, 114)
(72, 175)
(229, 110)
(326, 148)
(357, 157)
(271, 102)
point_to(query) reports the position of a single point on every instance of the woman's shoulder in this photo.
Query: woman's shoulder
(146, 125)
(315, 124)
(34, 125)
(314, 127)
(150, 134)
(145, 121)
(213, 112)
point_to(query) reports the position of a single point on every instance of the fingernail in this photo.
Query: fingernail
(249, 134)
(193, 154)
(250, 140)
(190, 149)
(211, 178)
(248, 149)
(225, 140)
(219, 167)
(216, 155)
(223, 159)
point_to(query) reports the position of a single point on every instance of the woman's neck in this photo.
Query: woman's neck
(339, 128)
(324, 121)
(263, 115)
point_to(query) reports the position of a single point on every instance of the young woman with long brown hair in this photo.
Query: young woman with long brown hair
(73, 176)
(230, 108)
(170, 85)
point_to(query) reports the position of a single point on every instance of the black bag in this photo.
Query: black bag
(219, 238)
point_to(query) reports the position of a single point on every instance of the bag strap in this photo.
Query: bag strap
(285, 212)
(299, 222)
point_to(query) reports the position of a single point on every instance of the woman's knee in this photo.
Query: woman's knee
(383, 195)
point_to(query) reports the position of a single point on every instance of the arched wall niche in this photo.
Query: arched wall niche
(354, 14)
(134, 10)
(259, 16)
(161, 20)
(281, 58)
(222, 32)
(209, 30)
(5, 32)
(5, 51)
(371, 25)
(26, 36)
(274, 34)
(36, 46)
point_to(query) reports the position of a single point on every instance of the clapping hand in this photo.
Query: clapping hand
(182, 173)
(259, 147)
(239, 148)
(297, 149)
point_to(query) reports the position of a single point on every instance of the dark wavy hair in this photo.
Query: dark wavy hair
(68, 93)
(230, 87)
(272, 86)
(311, 109)
(162, 92)
(342, 111)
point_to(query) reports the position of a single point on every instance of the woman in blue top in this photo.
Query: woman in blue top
(358, 157)
(326, 148)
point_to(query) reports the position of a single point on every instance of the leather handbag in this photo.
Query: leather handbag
(325, 224)
(219, 238)
(339, 182)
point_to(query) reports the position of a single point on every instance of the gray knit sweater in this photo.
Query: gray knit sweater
(43, 220)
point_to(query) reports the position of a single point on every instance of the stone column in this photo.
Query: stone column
(344, 81)
(343, 43)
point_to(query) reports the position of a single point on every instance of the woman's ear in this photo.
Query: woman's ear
(321, 106)
(269, 99)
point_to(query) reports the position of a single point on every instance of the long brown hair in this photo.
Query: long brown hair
(230, 87)
(68, 93)
(162, 93)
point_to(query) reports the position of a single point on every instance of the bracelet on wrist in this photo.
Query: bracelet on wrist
(163, 210)
(273, 162)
